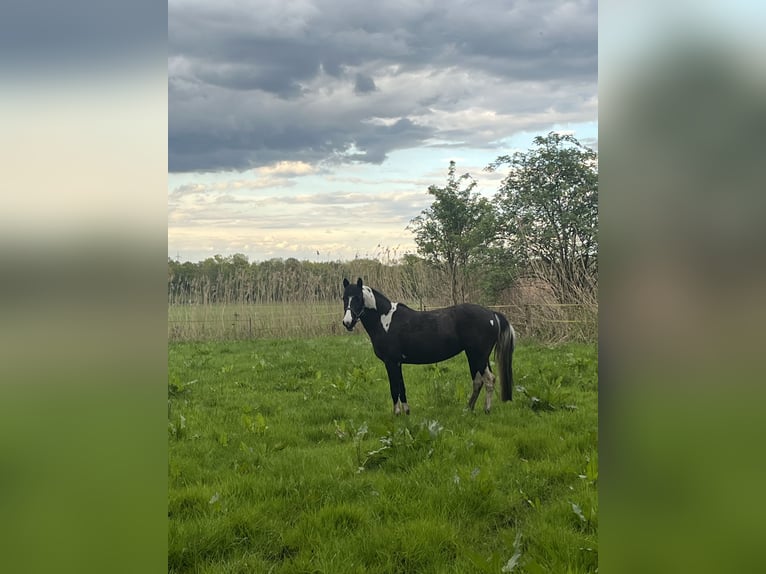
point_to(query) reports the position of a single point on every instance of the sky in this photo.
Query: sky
(313, 129)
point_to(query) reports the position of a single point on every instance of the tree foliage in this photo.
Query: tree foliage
(454, 232)
(547, 209)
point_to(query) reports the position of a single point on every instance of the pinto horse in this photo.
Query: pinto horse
(402, 335)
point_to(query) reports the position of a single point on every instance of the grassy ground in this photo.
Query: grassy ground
(285, 457)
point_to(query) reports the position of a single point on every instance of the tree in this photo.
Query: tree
(453, 231)
(548, 211)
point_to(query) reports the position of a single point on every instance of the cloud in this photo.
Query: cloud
(205, 204)
(287, 169)
(364, 84)
(255, 83)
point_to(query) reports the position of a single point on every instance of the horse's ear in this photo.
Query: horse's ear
(345, 283)
(359, 282)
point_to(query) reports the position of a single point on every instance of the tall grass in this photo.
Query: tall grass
(241, 321)
(233, 280)
(531, 318)
(230, 299)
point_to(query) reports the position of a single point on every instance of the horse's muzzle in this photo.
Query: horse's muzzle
(349, 319)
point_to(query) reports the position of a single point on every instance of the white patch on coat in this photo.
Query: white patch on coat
(369, 298)
(385, 320)
(492, 322)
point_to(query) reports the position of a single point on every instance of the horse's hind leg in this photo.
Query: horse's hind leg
(478, 365)
(490, 380)
(478, 382)
(481, 374)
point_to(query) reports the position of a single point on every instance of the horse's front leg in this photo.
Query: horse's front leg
(396, 382)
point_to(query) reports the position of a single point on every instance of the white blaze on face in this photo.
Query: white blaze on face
(347, 318)
(385, 320)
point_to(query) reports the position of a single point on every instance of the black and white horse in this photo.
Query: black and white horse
(402, 335)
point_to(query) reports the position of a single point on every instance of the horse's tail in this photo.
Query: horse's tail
(506, 343)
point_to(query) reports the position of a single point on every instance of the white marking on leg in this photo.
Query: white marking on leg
(489, 378)
(385, 320)
(477, 383)
(369, 298)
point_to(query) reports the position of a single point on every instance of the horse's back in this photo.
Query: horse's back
(427, 336)
(437, 335)
(471, 315)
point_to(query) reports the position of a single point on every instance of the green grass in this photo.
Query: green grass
(285, 457)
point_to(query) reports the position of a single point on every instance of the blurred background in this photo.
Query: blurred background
(682, 96)
(83, 458)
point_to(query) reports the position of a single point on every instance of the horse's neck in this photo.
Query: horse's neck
(371, 317)
(382, 303)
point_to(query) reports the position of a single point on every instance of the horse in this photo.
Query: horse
(401, 335)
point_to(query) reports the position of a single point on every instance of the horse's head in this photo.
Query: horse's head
(353, 302)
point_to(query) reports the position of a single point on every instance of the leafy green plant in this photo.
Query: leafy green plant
(178, 389)
(177, 428)
(402, 439)
(591, 469)
(256, 425)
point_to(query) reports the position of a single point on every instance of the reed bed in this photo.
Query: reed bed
(545, 322)
(228, 298)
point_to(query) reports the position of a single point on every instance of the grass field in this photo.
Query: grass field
(284, 456)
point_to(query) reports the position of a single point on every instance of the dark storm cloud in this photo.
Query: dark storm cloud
(364, 84)
(251, 83)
